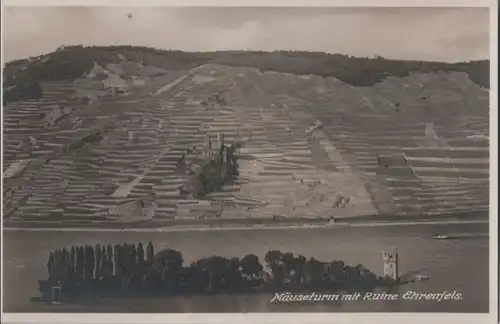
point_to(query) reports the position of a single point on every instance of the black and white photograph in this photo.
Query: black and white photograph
(208, 159)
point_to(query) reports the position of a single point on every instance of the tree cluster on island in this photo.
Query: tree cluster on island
(132, 270)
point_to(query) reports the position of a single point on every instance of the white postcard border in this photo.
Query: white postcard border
(338, 318)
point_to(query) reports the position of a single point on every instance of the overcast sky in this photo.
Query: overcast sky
(438, 34)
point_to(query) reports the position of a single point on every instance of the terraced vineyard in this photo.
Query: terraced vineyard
(406, 146)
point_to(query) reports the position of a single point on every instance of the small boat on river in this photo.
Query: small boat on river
(438, 236)
(459, 236)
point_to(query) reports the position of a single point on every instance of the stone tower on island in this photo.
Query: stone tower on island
(391, 264)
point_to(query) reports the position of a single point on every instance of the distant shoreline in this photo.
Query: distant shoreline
(249, 224)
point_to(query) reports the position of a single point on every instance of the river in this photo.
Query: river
(452, 265)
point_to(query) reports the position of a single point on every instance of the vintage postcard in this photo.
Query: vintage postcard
(293, 163)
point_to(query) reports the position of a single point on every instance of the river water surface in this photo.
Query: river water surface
(453, 265)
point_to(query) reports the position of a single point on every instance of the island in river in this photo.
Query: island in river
(129, 270)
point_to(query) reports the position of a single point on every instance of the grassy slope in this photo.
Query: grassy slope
(72, 62)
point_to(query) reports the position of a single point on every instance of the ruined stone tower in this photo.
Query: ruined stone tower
(391, 264)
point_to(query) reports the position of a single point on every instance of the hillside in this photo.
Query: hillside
(323, 136)
(72, 62)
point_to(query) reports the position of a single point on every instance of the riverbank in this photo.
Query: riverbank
(249, 223)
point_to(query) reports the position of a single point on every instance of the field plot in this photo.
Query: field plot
(312, 147)
(422, 139)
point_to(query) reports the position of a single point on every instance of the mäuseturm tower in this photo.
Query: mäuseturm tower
(391, 264)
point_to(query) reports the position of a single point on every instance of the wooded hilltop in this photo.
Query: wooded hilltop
(72, 62)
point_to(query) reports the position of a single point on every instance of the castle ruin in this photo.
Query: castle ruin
(210, 167)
